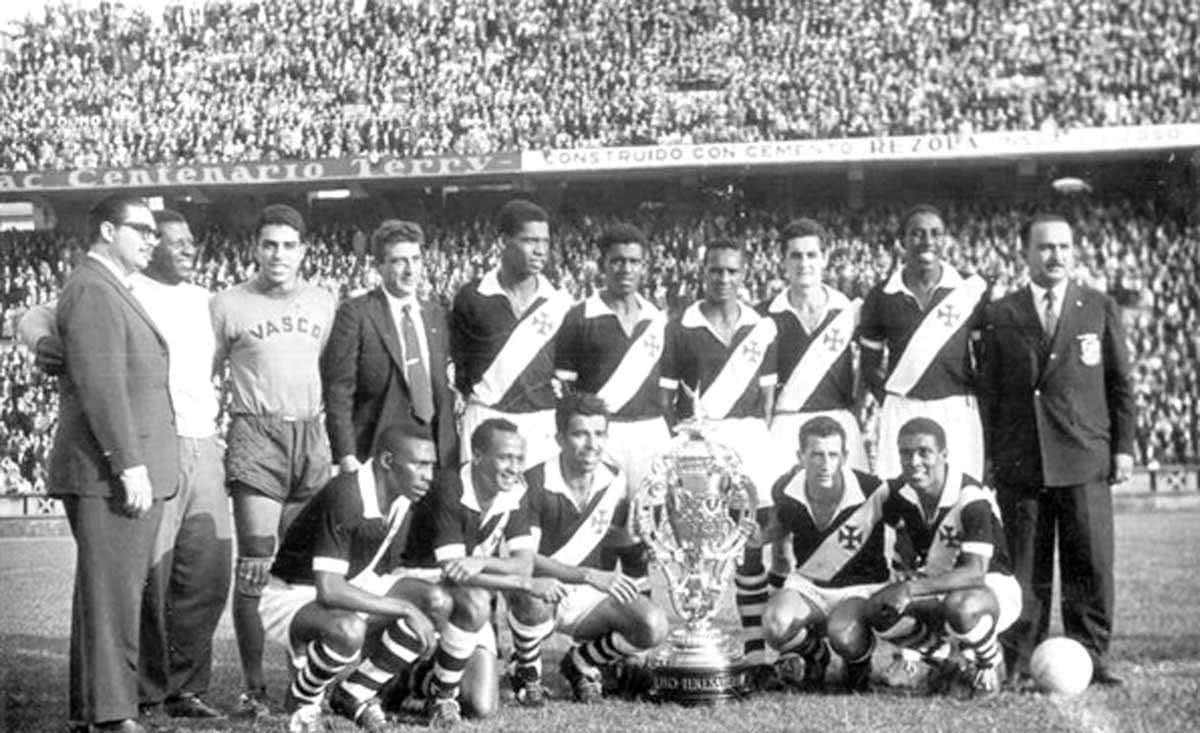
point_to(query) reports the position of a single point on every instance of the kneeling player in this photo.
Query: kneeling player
(477, 507)
(579, 505)
(339, 580)
(833, 515)
(962, 588)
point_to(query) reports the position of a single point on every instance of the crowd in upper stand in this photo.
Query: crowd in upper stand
(301, 79)
(1146, 260)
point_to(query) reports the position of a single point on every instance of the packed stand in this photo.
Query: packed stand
(210, 82)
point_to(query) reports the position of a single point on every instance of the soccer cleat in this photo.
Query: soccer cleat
(305, 718)
(587, 689)
(790, 669)
(252, 704)
(764, 678)
(906, 672)
(527, 686)
(951, 677)
(985, 681)
(368, 715)
(443, 713)
(858, 676)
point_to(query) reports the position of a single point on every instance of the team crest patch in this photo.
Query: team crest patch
(1089, 349)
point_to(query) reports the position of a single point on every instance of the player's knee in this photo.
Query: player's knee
(345, 633)
(439, 604)
(480, 704)
(650, 629)
(777, 621)
(847, 629)
(472, 608)
(528, 610)
(963, 609)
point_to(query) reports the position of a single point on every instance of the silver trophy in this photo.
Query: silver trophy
(696, 511)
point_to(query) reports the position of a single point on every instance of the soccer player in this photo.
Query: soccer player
(959, 587)
(816, 325)
(833, 516)
(922, 319)
(341, 577)
(579, 506)
(719, 363)
(610, 345)
(476, 508)
(271, 330)
(502, 331)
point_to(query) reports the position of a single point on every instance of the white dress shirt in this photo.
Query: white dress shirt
(414, 308)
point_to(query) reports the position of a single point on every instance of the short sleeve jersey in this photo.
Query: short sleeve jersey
(274, 342)
(891, 315)
(850, 550)
(556, 519)
(835, 391)
(481, 322)
(460, 528)
(967, 520)
(592, 344)
(695, 356)
(341, 530)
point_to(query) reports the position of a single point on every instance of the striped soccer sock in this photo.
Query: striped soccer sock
(527, 642)
(751, 598)
(321, 665)
(399, 648)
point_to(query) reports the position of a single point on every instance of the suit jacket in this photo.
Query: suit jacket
(1055, 414)
(114, 405)
(363, 379)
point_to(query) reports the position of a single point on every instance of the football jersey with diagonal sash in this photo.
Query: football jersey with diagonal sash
(967, 520)
(595, 354)
(502, 359)
(461, 528)
(816, 370)
(729, 376)
(578, 535)
(850, 550)
(928, 350)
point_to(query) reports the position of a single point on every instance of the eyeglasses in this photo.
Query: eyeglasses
(146, 230)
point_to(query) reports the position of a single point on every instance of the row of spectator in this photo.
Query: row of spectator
(1147, 260)
(219, 81)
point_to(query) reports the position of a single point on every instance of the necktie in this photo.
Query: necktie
(1051, 319)
(414, 368)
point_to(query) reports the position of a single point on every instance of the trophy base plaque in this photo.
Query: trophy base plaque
(698, 667)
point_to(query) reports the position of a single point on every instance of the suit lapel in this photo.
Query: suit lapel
(123, 291)
(381, 315)
(1068, 323)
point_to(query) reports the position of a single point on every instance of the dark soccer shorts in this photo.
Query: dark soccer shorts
(287, 460)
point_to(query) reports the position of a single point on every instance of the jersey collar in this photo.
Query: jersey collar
(852, 494)
(490, 285)
(595, 307)
(505, 501)
(556, 483)
(949, 280)
(950, 492)
(834, 300)
(693, 318)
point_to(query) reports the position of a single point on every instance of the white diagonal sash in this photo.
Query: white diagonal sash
(488, 545)
(942, 557)
(826, 348)
(638, 362)
(594, 525)
(395, 521)
(527, 339)
(739, 370)
(842, 545)
(936, 328)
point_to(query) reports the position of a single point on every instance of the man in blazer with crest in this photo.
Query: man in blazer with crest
(1059, 423)
(385, 362)
(114, 459)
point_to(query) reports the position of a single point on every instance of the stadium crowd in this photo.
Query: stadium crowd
(226, 81)
(1147, 261)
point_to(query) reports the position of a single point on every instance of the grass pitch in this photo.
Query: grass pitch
(1156, 650)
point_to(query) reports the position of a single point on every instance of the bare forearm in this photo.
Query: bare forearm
(549, 567)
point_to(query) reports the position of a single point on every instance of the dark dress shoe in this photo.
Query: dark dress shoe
(191, 706)
(1102, 676)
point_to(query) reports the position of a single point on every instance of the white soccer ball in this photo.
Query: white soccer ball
(1061, 666)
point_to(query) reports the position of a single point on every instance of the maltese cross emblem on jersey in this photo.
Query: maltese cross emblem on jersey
(948, 314)
(834, 340)
(543, 323)
(850, 537)
(950, 536)
(651, 343)
(751, 351)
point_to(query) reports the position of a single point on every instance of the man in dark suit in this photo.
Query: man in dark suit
(114, 459)
(386, 359)
(1059, 425)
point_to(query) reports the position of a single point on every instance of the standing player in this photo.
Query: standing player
(833, 515)
(610, 346)
(341, 578)
(477, 508)
(816, 325)
(722, 353)
(271, 329)
(960, 585)
(923, 319)
(502, 334)
(579, 506)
